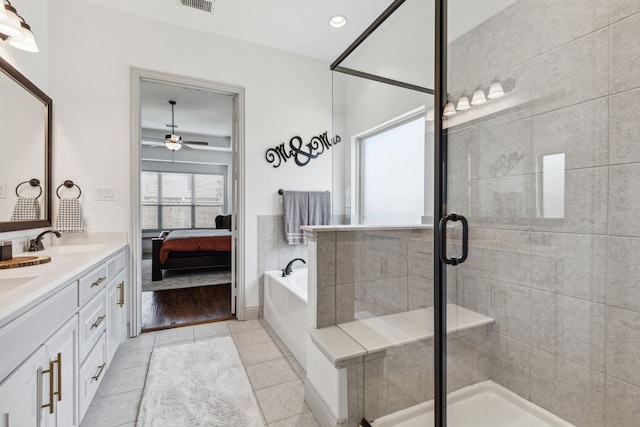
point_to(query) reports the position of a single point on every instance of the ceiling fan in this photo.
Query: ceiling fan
(173, 141)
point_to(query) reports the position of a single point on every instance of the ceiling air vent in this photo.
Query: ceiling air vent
(204, 5)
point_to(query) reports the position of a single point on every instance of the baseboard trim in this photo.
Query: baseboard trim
(320, 410)
(251, 313)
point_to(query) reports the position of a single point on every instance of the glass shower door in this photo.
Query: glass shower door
(527, 114)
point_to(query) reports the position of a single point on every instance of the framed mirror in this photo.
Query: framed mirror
(25, 164)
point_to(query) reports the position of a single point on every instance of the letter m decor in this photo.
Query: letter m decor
(301, 153)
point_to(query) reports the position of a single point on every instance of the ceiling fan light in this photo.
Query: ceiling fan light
(173, 146)
(173, 138)
(3, 12)
(10, 25)
(28, 42)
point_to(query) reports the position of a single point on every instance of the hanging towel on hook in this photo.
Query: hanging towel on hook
(26, 209)
(70, 216)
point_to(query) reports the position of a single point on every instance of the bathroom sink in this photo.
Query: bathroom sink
(77, 249)
(24, 261)
(7, 284)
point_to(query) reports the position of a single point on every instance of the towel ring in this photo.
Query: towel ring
(34, 182)
(68, 184)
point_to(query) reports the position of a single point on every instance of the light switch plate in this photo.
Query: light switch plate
(3, 191)
(104, 193)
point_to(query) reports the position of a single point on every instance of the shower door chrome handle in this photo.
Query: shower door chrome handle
(442, 226)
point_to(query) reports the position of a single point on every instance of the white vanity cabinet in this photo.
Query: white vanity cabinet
(59, 378)
(53, 355)
(19, 394)
(116, 303)
(43, 388)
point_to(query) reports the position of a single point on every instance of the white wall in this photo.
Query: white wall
(92, 50)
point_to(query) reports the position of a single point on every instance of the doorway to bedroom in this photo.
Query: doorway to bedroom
(187, 204)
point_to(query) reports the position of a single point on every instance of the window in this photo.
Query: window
(392, 174)
(181, 200)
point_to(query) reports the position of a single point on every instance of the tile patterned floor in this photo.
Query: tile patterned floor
(275, 375)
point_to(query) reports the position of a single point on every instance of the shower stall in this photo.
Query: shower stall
(487, 176)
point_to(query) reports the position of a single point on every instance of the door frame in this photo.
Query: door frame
(237, 193)
(439, 211)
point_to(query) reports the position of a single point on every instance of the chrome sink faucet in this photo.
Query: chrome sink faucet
(36, 244)
(287, 270)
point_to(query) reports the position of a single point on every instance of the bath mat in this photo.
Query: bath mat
(198, 384)
(180, 279)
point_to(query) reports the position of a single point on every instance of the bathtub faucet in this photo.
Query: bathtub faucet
(287, 270)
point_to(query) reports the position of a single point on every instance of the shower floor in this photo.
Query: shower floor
(485, 404)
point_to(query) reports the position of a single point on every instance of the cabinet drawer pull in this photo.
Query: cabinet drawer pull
(97, 282)
(98, 321)
(121, 300)
(97, 375)
(59, 362)
(51, 393)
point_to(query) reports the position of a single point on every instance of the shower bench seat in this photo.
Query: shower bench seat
(337, 354)
(360, 337)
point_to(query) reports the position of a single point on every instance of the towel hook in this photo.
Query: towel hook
(68, 184)
(34, 182)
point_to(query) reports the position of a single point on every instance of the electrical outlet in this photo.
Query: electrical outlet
(104, 193)
(3, 191)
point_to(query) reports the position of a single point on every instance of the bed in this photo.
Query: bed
(183, 249)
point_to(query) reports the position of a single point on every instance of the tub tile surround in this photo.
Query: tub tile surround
(277, 384)
(566, 299)
(376, 272)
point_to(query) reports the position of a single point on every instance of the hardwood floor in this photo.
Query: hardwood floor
(182, 307)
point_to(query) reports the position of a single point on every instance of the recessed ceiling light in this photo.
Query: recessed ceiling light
(337, 21)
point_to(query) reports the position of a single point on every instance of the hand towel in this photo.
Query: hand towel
(319, 208)
(296, 214)
(26, 209)
(70, 216)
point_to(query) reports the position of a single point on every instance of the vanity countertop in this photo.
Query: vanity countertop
(25, 287)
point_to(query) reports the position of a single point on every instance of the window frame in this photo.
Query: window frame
(192, 206)
(358, 141)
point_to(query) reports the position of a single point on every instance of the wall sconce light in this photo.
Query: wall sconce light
(463, 102)
(10, 23)
(449, 108)
(495, 90)
(14, 28)
(478, 96)
(429, 117)
(26, 43)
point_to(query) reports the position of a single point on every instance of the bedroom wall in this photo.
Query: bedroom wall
(286, 95)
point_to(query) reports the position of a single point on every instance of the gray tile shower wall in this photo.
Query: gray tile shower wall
(273, 252)
(563, 289)
(368, 273)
